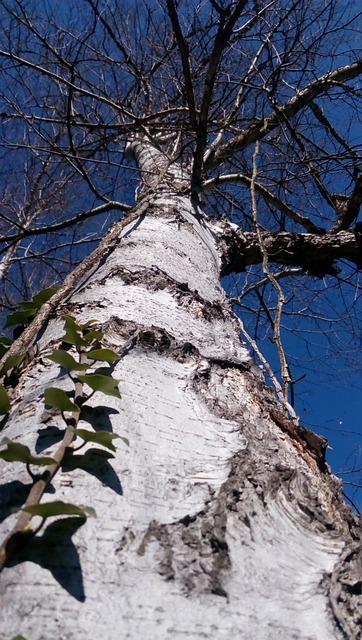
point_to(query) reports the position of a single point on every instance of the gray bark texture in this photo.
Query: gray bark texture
(220, 520)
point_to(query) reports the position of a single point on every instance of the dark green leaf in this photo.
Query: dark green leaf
(18, 638)
(12, 362)
(93, 335)
(55, 397)
(99, 437)
(67, 361)
(105, 384)
(73, 337)
(5, 343)
(78, 334)
(73, 332)
(17, 452)
(70, 323)
(88, 324)
(20, 317)
(3, 350)
(29, 306)
(43, 296)
(103, 354)
(4, 401)
(59, 508)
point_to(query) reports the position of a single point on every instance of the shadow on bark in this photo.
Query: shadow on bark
(48, 437)
(54, 551)
(95, 462)
(3, 421)
(12, 496)
(98, 417)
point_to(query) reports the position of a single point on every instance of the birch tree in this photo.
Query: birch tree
(129, 394)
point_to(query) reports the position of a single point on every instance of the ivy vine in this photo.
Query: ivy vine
(89, 368)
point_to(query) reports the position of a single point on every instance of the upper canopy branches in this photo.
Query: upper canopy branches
(76, 82)
(301, 99)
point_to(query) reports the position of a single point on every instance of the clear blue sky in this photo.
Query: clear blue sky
(328, 400)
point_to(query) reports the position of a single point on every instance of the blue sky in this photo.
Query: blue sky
(333, 409)
(328, 401)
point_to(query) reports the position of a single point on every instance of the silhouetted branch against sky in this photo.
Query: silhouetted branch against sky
(77, 80)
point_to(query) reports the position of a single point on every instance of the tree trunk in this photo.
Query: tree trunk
(219, 520)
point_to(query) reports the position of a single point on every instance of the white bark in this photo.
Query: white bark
(6, 261)
(214, 523)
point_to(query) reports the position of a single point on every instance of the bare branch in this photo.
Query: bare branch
(185, 59)
(64, 81)
(260, 129)
(224, 32)
(84, 215)
(349, 210)
(317, 254)
(235, 178)
(274, 282)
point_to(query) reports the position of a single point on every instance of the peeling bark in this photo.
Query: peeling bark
(219, 520)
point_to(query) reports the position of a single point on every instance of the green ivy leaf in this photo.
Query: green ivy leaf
(5, 343)
(59, 508)
(67, 361)
(29, 305)
(71, 323)
(43, 296)
(99, 437)
(21, 317)
(55, 397)
(12, 362)
(17, 452)
(74, 338)
(73, 332)
(98, 382)
(4, 401)
(103, 354)
(78, 334)
(30, 308)
(88, 324)
(90, 336)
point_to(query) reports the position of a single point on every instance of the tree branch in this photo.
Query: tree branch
(224, 32)
(276, 322)
(26, 232)
(185, 59)
(269, 197)
(316, 254)
(63, 81)
(302, 98)
(348, 212)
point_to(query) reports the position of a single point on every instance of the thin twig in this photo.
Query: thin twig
(283, 392)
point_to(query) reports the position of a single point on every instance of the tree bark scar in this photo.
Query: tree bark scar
(314, 444)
